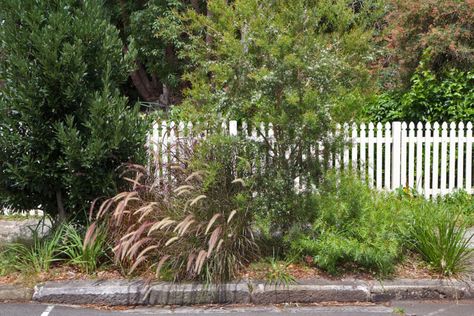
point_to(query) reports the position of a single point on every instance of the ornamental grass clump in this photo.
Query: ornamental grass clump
(192, 221)
(442, 240)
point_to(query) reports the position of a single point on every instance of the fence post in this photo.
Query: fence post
(396, 155)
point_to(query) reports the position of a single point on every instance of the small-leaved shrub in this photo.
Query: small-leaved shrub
(352, 228)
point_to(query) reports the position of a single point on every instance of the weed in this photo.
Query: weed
(278, 273)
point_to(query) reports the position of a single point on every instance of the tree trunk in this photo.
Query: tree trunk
(195, 5)
(208, 36)
(149, 89)
(61, 211)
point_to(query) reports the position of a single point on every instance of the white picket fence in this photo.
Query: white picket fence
(434, 159)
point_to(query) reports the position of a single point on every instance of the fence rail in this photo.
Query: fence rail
(434, 159)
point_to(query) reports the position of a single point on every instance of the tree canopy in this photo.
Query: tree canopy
(65, 128)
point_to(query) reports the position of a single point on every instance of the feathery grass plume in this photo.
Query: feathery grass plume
(192, 220)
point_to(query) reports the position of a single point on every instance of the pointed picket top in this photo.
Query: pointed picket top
(270, 132)
(379, 126)
(436, 126)
(444, 125)
(428, 126)
(263, 131)
(461, 126)
(452, 126)
(419, 126)
(404, 126)
(181, 128)
(233, 128)
(469, 125)
(411, 126)
(371, 126)
(388, 126)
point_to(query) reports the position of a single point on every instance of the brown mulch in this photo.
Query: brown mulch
(411, 268)
(58, 273)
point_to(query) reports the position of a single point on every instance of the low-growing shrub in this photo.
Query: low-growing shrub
(193, 221)
(353, 228)
(358, 227)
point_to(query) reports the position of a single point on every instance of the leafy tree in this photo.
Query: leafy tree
(64, 126)
(150, 27)
(288, 63)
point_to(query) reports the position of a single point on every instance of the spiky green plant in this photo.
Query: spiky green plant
(39, 256)
(86, 251)
(442, 241)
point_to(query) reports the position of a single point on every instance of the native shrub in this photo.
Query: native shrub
(352, 227)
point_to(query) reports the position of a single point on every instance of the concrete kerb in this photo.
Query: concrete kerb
(15, 293)
(139, 293)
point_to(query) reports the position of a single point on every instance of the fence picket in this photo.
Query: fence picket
(370, 163)
(388, 161)
(411, 155)
(460, 176)
(444, 158)
(419, 157)
(396, 134)
(469, 157)
(354, 147)
(452, 155)
(403, 155)
(362, 142)
(427, 169)
(379, 156)
(433, 159)
(435, 178)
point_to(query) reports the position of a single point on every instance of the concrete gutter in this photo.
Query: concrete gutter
(128, 293)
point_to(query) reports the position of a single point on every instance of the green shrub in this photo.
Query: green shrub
(353, 227)
(357, 227)
(65, 127)
(444, 97)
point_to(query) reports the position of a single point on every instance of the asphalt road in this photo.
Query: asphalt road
(461, 308)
